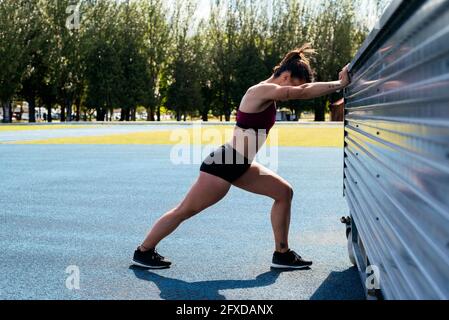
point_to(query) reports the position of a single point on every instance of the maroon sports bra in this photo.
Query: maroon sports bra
(264, 120)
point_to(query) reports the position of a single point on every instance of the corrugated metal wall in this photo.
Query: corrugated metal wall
(397, 149)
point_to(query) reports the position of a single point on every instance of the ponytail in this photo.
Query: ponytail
(298, 63)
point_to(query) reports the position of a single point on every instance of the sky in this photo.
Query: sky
(367, 13)
(203, 9)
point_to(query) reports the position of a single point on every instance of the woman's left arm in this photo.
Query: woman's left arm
(319, 89)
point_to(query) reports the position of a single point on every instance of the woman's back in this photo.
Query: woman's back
(255, 119)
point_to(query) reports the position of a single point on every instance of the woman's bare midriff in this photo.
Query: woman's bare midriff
(248, 142)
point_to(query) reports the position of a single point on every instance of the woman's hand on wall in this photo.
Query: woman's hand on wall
(344, 77)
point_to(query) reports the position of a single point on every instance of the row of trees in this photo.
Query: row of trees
(94, 56)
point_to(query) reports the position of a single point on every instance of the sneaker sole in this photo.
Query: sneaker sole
(278, 266)
(137, 264)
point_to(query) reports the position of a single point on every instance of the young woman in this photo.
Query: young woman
(233, 164)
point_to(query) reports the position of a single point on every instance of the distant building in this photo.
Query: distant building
(117, 114)
(21, 111)
(285, 115)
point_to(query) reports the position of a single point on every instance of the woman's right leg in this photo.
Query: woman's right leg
(207, 191)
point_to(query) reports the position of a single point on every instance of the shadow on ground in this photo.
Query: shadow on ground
(343, 285)
(174, 289)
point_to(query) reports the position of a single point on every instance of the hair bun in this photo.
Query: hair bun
(297, 63)
(302, 53)
(305, 52)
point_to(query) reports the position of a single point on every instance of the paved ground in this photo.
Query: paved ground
(89, 206)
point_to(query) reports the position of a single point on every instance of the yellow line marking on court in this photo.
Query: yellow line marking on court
(287, 136)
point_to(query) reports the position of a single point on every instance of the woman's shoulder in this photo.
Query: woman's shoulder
(261, 88)
(252, 101)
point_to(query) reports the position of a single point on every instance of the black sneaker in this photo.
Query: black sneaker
(150, 259)
(289, 260)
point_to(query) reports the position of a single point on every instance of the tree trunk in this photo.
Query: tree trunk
(298, 113)
(158, 113)
(19, 116)
(124, 114)
(133, 114)
(7, 112)
(227, 115)
(127, 113)
(227, 112)
(32, 109)
(320, 114)
(205, 115)
(49, 117)
(63, 117)
(150, 114)
(69, 110)
(100, 114)
(78, 109)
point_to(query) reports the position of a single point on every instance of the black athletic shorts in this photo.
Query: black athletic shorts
(226, 163)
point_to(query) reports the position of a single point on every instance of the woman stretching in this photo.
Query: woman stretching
(233, 164)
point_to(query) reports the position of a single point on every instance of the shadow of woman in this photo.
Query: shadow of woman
(174, 289)
(343, 285)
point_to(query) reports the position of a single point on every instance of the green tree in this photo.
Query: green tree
(332, 37)
(17, 25)
(152, 53)
(37, 66)
(134, 77)
(102, 56)
(157, 39)
(205, 72)
(223, 33)
(184, 92)
(249, 66)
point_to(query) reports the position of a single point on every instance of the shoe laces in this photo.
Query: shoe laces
(157, 256)
(297, 256)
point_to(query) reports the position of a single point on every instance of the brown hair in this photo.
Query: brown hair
(297, 63)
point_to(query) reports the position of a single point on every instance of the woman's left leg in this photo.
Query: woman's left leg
(260, 180)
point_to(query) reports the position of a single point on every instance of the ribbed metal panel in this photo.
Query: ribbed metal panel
(397, 149)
